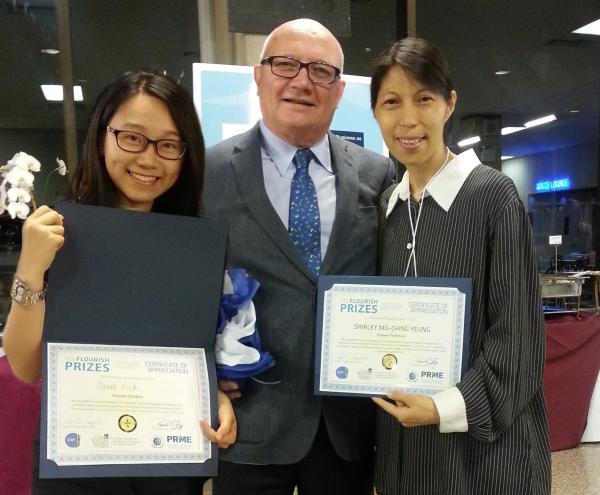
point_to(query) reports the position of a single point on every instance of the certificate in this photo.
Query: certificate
(126, 405)
(375, 334)
(127, 365)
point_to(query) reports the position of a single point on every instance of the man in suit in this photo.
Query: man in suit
(299, 202)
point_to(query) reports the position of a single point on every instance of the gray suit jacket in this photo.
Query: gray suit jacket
(277, 423)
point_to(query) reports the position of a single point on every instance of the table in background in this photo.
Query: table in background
(592, 430)
(19, 417)
(596, 280)
(572, 366)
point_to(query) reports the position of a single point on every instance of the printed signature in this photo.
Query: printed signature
(169, 424)
(430, 361)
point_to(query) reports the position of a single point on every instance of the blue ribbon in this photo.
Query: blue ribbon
(244, 289)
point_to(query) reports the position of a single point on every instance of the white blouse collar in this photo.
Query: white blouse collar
(445, 187)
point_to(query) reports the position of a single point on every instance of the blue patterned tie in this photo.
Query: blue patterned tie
(305, 222)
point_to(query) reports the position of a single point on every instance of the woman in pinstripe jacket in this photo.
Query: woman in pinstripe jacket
(450, 216)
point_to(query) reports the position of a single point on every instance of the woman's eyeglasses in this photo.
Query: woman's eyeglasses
(134, 142)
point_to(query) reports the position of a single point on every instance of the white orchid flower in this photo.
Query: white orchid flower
(16, 194)
(16, 185)
(12, 210)
(2, 199)
(62, 166)
(19, 177)
(25, 162)
(18, 210)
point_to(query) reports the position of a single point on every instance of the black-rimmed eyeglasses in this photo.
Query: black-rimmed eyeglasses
(318, 72)
(134, 142)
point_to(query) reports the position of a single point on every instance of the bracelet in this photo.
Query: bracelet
(23, 295)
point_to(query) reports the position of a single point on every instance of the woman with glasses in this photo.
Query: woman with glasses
(451, 216)
(143, 151)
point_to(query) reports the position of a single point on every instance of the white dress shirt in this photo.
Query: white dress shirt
(278, 172)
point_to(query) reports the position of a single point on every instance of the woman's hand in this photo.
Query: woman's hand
(410, 409)
(226, 435)
(231, 388)
(43, 235)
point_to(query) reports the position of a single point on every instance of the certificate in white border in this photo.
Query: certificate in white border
(375, 334)
(86, 368)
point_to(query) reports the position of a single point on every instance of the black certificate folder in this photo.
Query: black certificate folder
(134, 279)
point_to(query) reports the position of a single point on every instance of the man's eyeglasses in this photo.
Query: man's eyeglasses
(134, 142)
(318, 72)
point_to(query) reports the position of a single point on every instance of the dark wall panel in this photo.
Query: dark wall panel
(262, 16)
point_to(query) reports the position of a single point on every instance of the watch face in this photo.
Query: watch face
(18, 291)
(23, 295)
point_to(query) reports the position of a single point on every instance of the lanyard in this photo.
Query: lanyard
(413, 228)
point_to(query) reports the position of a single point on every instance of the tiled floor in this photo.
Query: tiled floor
(577, 471)
(574, 472)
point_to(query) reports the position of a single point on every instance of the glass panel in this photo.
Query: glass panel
(28, 122)
(512, 66)
(107, 39)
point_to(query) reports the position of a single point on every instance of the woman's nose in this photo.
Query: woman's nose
(148, 156)
(407, 116)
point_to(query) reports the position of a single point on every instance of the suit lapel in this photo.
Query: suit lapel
(247, 165)
(346, 202)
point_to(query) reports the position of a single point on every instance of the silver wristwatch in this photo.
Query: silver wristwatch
(23, 295)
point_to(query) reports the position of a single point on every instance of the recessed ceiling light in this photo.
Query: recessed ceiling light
(469, 141)
(509, 130)
(502, 72)
(540, 121)
(54, 92)
(591, 28)
(506, 157)
(50, 51)
(574, 110)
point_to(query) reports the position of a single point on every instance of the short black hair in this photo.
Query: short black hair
(423, 61)
(90, 182)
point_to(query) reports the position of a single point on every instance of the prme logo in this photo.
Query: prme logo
(438, 375)
(179, 439)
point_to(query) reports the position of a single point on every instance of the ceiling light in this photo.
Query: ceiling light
(540, 121)
(591, 28)
(469, 141)
(50, 51)
(506, 157)
(502, 72)
(54, 92)
(574, 110)
(509, 130)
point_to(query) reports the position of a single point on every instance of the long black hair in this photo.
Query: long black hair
(90, 182)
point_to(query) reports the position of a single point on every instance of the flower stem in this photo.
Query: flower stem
(45, 187)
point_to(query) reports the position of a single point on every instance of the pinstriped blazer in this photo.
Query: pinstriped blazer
(485, 236)
(277, 423)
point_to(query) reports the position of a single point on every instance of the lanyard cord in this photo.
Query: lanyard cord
(412, 245)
